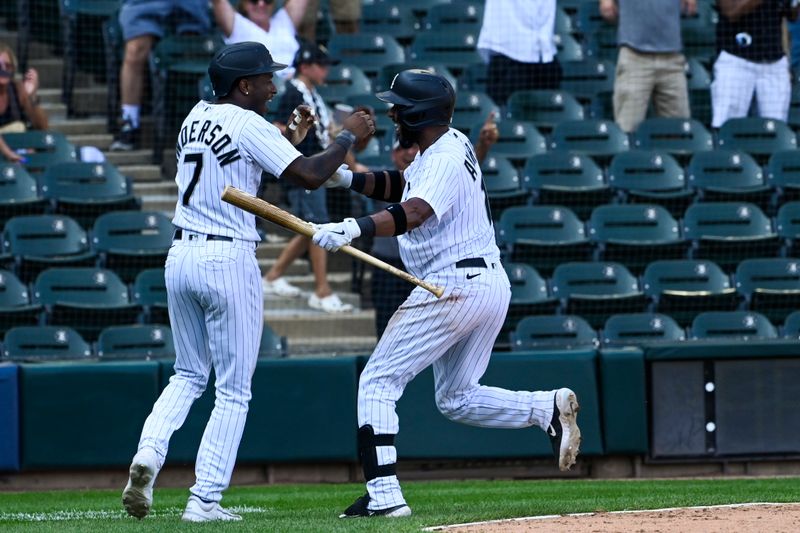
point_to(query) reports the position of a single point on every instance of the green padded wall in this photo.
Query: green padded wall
(75, 415)
(301, 410)
(426, 433)
(624, 400)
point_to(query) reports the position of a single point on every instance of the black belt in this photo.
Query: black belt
(472, 262)
(179, 235)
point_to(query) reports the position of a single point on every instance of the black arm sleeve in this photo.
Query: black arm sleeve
(393, 178)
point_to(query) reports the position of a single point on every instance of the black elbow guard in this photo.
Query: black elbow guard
(399, 217)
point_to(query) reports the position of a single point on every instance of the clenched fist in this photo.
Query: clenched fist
(337, 234)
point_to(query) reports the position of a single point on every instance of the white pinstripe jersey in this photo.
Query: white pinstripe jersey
(219, 145)
(448, 177)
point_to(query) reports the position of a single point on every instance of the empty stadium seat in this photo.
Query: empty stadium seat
(730, 325)
(86, 299)
(595, 138)
(455, 50)
(543, 236)
(681, 137)
(473, 78)
(19, 194)
(395, 19)
(597, 290)
(758, 136)
(135, 342)
(727, 232)
(635, 234)
(502, 184)
(684, 288)
(130, 241)
(602, 43)
(567, 178)
(368, 51)
(698, 82)
(568, 48)
(770, 285)
(51, 343)
(544, 108)
(529, 296)
(471, 108)
(150, 292)
(16, 308)
(272, 345)
(726, 175)
(554, 332)
(591, 82)
(650, 176)
(791, 326)
(41, 148)
(783, 174)
(42, 241)
(638, 329)
(463, 16)
(343, 81)
(517, 140)
(788, 227)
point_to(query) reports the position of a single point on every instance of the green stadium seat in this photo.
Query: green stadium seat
(568, 49)
(760, 137)
(591, 82)
(15, 303)
(502, 184)
(726, 175)
(770, 285)
(597, 290)
(43, 241)
(44, 343)
(395, 19)
(84, 191)
(727, 232)
(19, 194)
(543, 236)
(135, 342)
(461, 16)
(791, 326)
(650, 176)
(529, 296)
(563, 24)
(421, 7)
(794, 108)
(684, 288)
(41, 149)
(473, 78)
(589, 20)
(680, 137)
(544, 108)
(595, 138)
(555, 332)
(388, 72)
(368, 51)
(517, 140)
(454, 50)
(788, 227)
(635, 234)
(732, 325)
(699, 42)
(130, 241)
(343, 81)
(567, 178)
(272, 345)
(150, 292)
(86, 299)
(602, 43)
(471, 108)
(699, 85)
(640, 329)
(783, 175)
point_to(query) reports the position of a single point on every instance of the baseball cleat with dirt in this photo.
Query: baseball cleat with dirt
(565, 435)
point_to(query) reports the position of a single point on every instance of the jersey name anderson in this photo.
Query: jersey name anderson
(448, 177)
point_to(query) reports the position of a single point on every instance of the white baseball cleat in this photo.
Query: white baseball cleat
(138, 494)
(281, 287)
(199, 511)
(565, 435)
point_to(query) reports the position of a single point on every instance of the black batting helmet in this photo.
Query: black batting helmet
(239, 60)
(422, 99)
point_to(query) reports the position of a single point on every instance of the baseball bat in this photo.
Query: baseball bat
(275, 214)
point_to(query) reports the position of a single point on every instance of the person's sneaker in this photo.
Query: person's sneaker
(127, 139)
(359, 509)
(281, 287)
(565, 436)
(329, 304)
(138, 494)
(199, 511)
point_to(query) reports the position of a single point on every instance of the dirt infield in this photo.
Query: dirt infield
(775, 518)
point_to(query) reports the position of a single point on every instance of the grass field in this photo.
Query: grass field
(314, 508)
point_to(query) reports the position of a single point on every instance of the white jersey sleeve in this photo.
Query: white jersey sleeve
(264, 145)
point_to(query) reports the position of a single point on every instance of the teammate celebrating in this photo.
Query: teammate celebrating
(446, 237)
(212, 276)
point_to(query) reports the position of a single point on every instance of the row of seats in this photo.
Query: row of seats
(142, 342)
(642, 329)
(681, 288)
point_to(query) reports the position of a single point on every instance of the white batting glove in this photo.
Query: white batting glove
(343, 177)
(335, 235)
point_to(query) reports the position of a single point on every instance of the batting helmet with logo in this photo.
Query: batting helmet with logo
(237, 61)
(422, 99)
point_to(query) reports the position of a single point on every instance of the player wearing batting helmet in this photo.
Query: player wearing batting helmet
(440, 213)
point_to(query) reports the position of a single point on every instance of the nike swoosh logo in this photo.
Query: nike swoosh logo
(338, 232)
(470, 276)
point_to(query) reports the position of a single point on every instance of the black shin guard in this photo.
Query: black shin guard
(367, 442)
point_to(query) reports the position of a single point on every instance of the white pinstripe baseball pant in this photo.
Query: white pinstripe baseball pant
(216, 311)
(456, 334)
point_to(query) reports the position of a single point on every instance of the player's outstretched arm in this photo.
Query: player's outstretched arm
(385, 185)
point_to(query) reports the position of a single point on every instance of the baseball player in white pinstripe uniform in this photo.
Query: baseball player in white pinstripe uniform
(212, 276)
(446, 237)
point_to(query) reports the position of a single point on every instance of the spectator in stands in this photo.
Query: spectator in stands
(517, 40)
(257, 21)
(19, 99)
(751, 60)
(143, 22)
(794, 50)
(344, 13)
(311, 68)
(650, 64)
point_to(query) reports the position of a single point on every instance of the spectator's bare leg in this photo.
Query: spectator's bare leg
(137, 50)
(292, 251)
(319, 264)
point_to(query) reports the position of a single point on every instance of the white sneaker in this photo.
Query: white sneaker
(565, 435)
(199, 511)
(281, 287)
(138, 494)
(329, 304)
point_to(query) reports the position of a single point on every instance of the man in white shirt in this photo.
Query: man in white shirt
(517, 40)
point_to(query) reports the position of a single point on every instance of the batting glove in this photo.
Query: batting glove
(343, 177)
(335, 235)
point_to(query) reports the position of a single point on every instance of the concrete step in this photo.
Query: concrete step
(80, 126)
(87, 101)
(330, 346)
(312, 323)
(142, 173)
(165, 204)
(55, 111)
(270, 249)
(298, 267)
(134, 157)
(301, 302)
(161, 187)
(36, 50)
(99, 140)
(340, 282)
